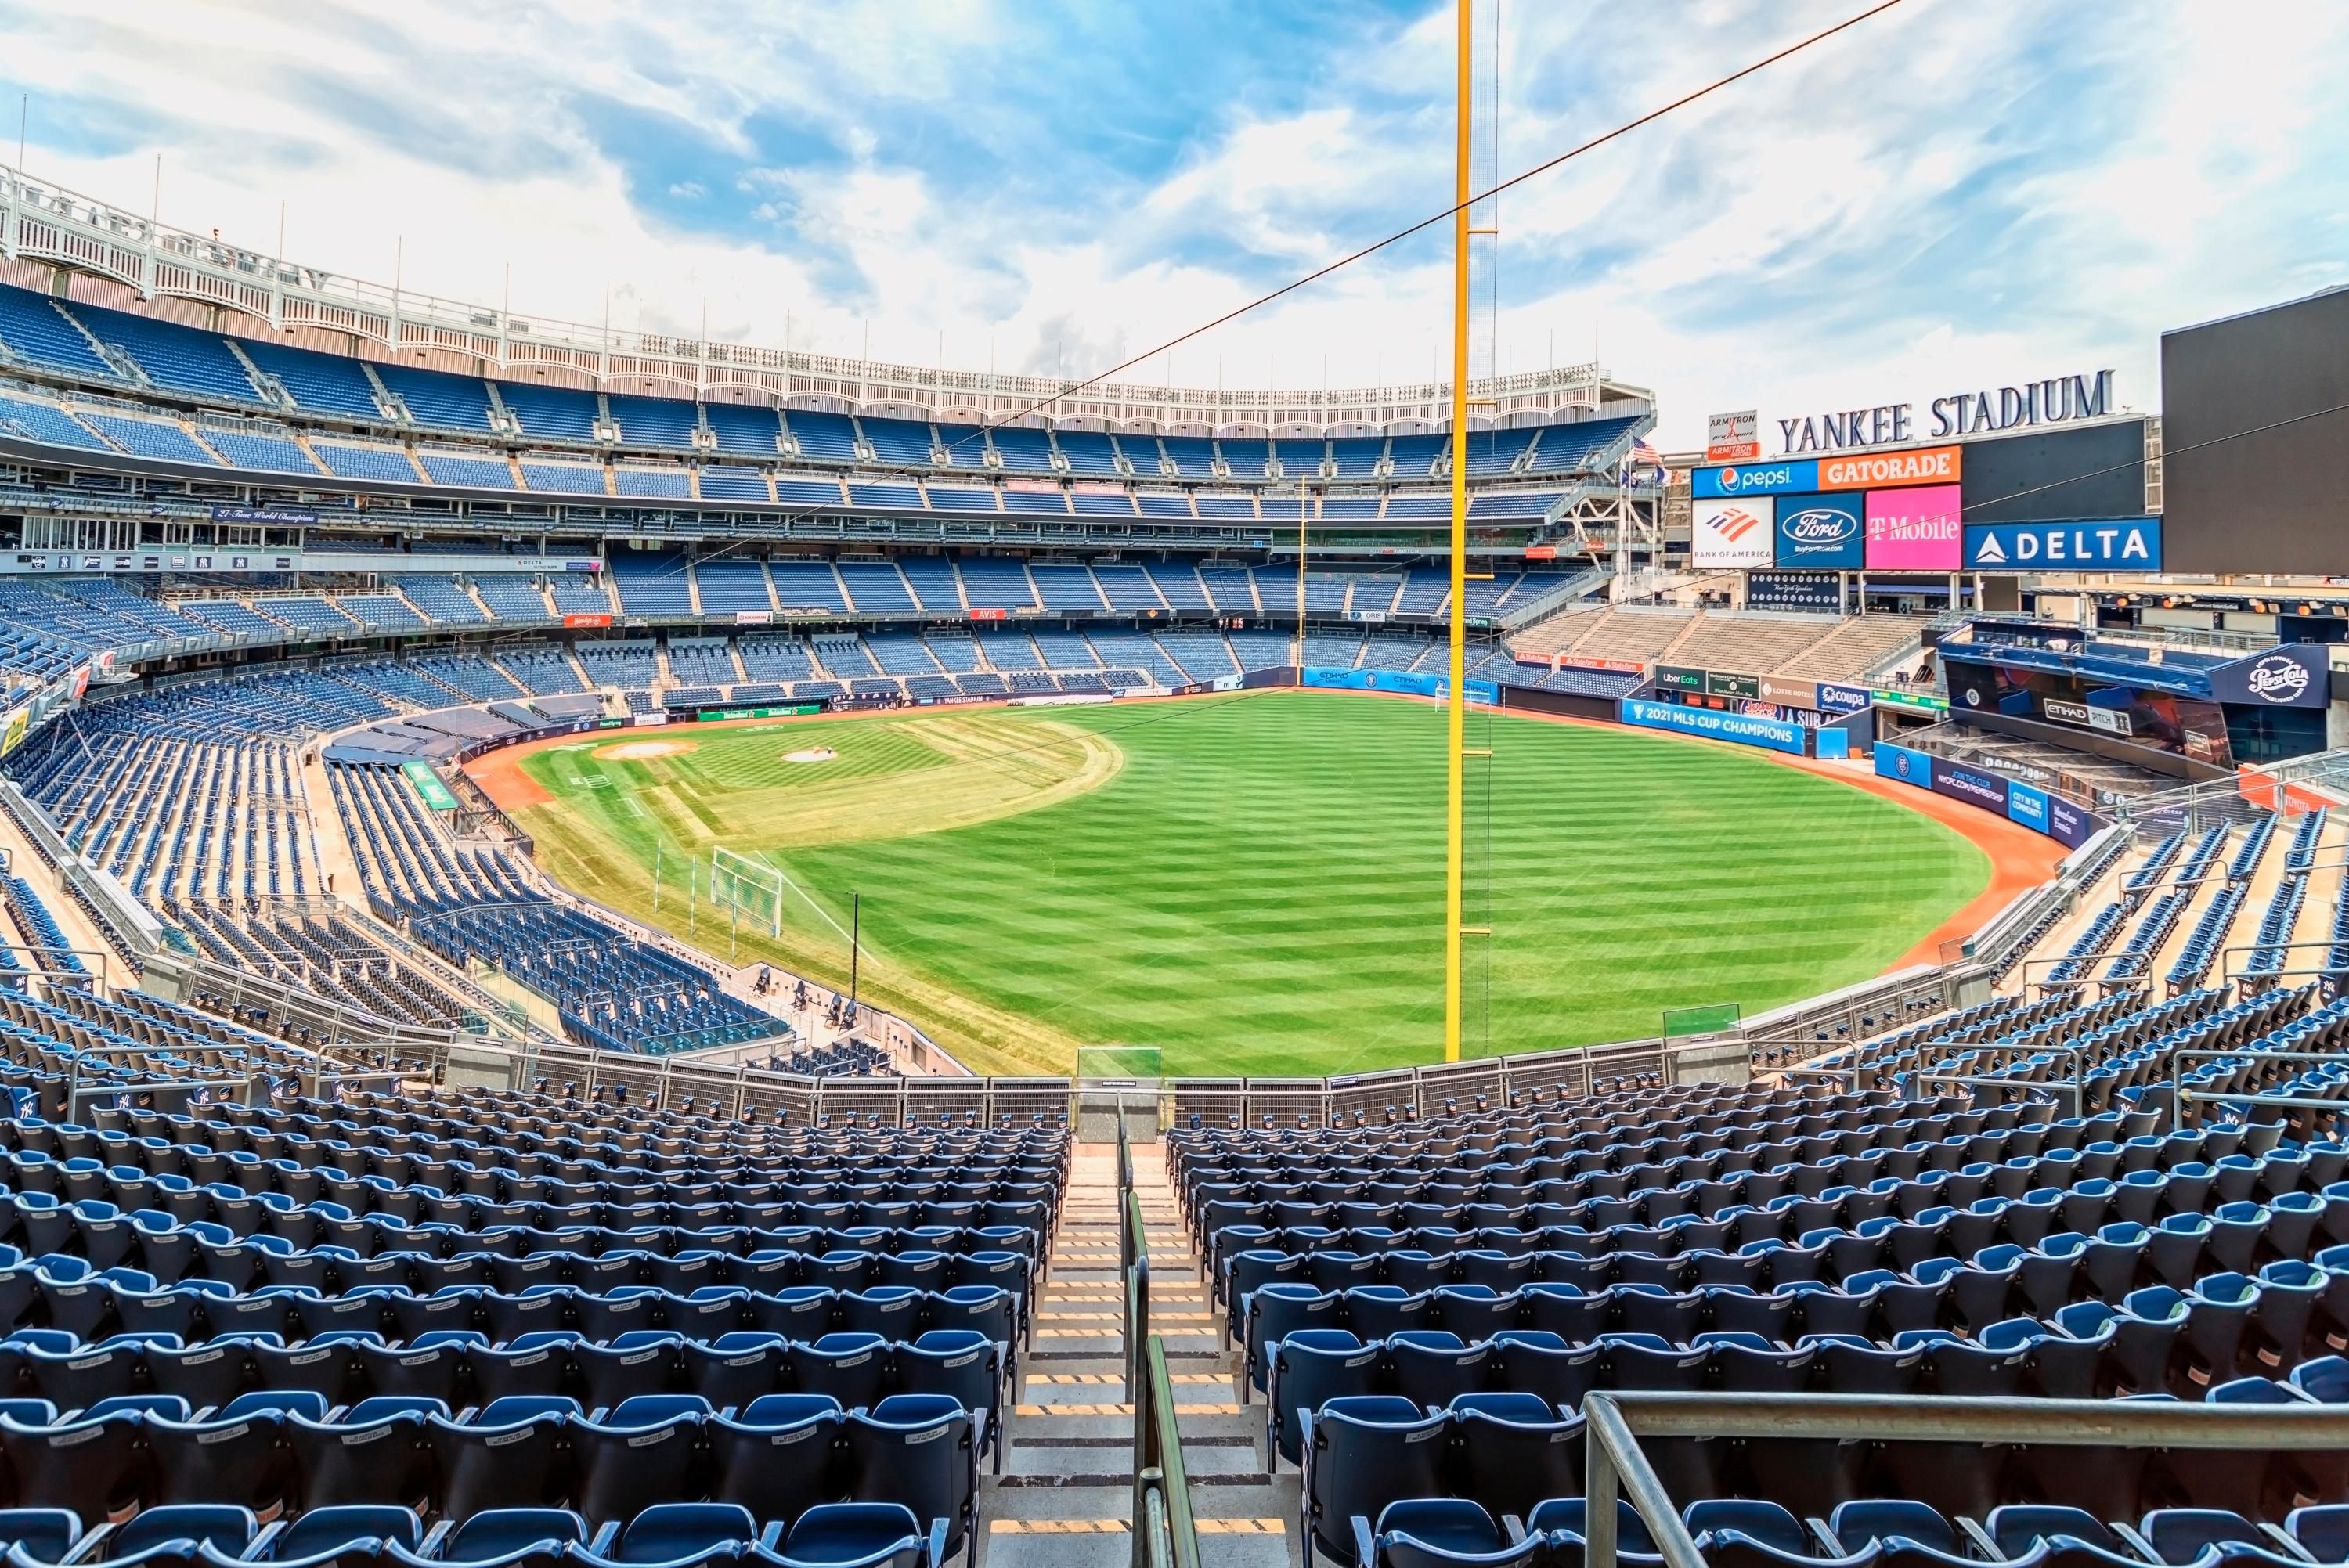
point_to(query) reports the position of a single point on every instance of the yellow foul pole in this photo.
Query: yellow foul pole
(1454, 723)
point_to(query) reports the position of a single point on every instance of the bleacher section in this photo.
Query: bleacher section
(1712, 1239)
(402, 1379)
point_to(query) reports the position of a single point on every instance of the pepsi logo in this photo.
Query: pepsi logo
(2277, 679)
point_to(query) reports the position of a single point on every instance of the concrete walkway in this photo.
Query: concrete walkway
(1066, 1492)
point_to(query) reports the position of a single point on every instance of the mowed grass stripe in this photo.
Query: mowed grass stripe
(1257, 888)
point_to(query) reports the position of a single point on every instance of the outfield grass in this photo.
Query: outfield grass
(1253, 883)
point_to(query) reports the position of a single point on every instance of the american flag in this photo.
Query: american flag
(1644, 455)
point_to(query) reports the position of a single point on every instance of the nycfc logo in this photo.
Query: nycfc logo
(1820, 527)
(1901, 763)
(2277, 679)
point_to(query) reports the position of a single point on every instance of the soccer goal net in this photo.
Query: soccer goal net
(752, 887)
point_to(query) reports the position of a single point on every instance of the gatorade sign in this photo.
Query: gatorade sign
(2110, 544)
(1878, 471)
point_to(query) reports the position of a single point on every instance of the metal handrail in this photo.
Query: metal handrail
(2179, 1056)
(1165, 1534)
(1162, 1488)
(1617, 1421)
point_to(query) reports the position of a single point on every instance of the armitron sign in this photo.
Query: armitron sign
(1732, 437)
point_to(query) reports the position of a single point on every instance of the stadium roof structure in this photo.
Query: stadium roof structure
(263, 294)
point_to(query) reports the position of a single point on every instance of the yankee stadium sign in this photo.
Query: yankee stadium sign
(2056, 401)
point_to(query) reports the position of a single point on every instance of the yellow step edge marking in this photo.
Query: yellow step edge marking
(1119, 1527)
(1180, 1409)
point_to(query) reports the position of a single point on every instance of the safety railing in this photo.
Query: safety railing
(1617, 1467)
(1133, 1263)
(1925, 1084)
(2247, 1100)
(1165, 1534)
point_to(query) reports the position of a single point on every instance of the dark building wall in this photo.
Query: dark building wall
(2056, 475)
(2277, 500)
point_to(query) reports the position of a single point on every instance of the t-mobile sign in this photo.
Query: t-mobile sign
(1913, 529)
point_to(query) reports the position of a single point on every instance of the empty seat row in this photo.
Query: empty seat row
(290, 1453)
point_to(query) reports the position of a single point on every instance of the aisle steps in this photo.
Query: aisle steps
(1066, 1492)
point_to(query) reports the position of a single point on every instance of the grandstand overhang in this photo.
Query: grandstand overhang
(253, 293)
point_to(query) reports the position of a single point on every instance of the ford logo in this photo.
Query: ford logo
(2277, 679)
(1820, 526)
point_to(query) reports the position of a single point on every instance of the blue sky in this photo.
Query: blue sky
(1959, 193)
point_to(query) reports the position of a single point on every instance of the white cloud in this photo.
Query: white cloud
(1945, 197)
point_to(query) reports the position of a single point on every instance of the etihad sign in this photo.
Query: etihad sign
(1925, 466)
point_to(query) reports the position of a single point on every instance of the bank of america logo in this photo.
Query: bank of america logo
(1736, 524)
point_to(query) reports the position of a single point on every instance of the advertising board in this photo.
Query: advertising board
(1822, 531)
(785, 710)
(1913, 529)
(1788, 692)
(2041, 810)
(1713, 723)
(1731, 532)
(2109, 544)
(1904, 764)
(2294, 675)
(2027, 804)
(1783, 477)
(1970, 785)
(1881, 471)
(1835, 698)
(1732, 437)
(1410, 683)
(1808, 592)
(427, 787)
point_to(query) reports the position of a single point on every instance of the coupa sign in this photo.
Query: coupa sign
(2109, 544)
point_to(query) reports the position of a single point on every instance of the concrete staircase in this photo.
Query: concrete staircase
(1066, 1494)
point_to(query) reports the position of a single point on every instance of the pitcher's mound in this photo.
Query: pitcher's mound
(645, 750)
(813, 754)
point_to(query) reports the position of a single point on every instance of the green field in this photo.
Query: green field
(1253, 883)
